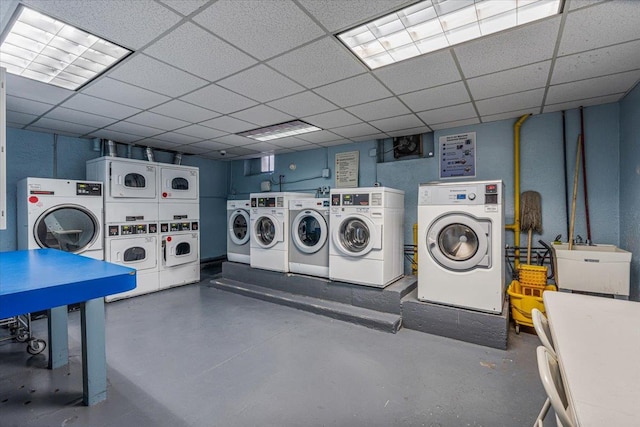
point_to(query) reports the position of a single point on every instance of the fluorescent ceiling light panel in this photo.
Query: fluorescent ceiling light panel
(268, 133)
(45, 49)
(431, 25)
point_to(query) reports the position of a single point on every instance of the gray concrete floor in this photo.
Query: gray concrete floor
(198, 356)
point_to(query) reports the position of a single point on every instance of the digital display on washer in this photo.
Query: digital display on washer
(461, 196)
(491, 188)
(335, 200)
(355, 199)
(266, 202)
(141, 228)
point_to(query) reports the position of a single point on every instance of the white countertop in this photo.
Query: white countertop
(598, 345)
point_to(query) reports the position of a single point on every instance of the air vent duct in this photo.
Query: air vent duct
(149, 153)
(112, 149)
(177, 159)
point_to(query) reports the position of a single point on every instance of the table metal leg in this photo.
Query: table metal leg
(94, 358)
(58, 337)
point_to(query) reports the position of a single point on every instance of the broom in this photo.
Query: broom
(530, 217)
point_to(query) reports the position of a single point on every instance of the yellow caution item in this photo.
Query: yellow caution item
(522, 305)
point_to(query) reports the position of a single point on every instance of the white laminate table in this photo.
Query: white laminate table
(597, 341)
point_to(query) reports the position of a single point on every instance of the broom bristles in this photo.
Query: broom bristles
(531, 212)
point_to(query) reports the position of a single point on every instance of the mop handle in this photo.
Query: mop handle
(575, 193)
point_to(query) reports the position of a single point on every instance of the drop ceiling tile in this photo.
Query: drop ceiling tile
(202, 132)
(18, 118)
(147, 118)
(290, 142)
(210, 145)
(455, 124)
(184, 111)
(376, 110)
(263, 147)
(185, 7)
(332, 119)
(219, 99)
(340, 141)
(510, 115)
(261, 83)
(303, 104)
(583, 103)
(118, 21)
(356, 130)
(449, 114)
(601, 25)
(297, 149)
(437, 97)
(598, 62)
(35, 90)
(191, 48)
(320, 136)
(524, 45)
(191, 149)
(124, 93)
(22, 105)
(177, 138)
(79, 117)
(241, 151)
(353, 91)
(372, 137)
(591, 88)
(134, 129)
(519, 79)
(115, 136)
(421, 72)
(397, 123)
(234, 140)
(99, 106)
(262, 115)
(62, 127)
(263, 28)
(149, 73)
(410, 131)
(338, 15)
(60, 131)
(513, 102)
(156, 143)
(308, 64)
(215, 155)
(229, 124)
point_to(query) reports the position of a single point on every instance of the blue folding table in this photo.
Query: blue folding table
(49, 279)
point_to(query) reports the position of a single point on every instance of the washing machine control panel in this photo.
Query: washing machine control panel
(88, 189)
(178, 226)
(131, 229)
(355, 199)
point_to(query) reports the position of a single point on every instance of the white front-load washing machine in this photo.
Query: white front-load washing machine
(269, 235)
(366, 228)
(61, 214)
(309, 234)
(238, 231)
(461, 244)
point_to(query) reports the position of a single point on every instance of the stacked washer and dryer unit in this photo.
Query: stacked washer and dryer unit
(61, 214)
(132, 210)
(461, 244)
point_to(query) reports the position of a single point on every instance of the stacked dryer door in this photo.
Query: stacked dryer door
(366, 227)
(179, 212)
(269, 218)
(238, 231)
(461, 244)
(309, 234)
(131, 217)
(61, 214)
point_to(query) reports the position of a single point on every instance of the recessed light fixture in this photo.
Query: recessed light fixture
(294, 127)
(435, 24)
(45, 49)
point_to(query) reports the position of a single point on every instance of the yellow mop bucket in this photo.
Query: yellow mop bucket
(522, 305)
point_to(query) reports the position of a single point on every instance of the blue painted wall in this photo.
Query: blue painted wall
(35, 154)
(630, 183)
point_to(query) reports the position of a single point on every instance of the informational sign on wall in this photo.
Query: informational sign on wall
(347, 165)
(458, 155)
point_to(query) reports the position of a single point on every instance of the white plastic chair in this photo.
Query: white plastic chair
(549, 371)
(541, 325)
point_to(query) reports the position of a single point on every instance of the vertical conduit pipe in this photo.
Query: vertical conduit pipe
(414, 267)
(515, 227)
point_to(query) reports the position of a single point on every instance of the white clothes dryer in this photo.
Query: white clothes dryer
(179, 253)
(366, 227)
(309, 234)
(238, 231)
(179, 183)
(269, 235)
(61, 214)
(461, 244)
(135, 246)
(125, 179)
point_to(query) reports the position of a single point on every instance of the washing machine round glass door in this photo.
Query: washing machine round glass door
(309, 231)
(70, 228)
(355, 236)
(460, 242)
(239, 227)
(267, 231)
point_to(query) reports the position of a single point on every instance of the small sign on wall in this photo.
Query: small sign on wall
(347, 165)
(457, 155)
